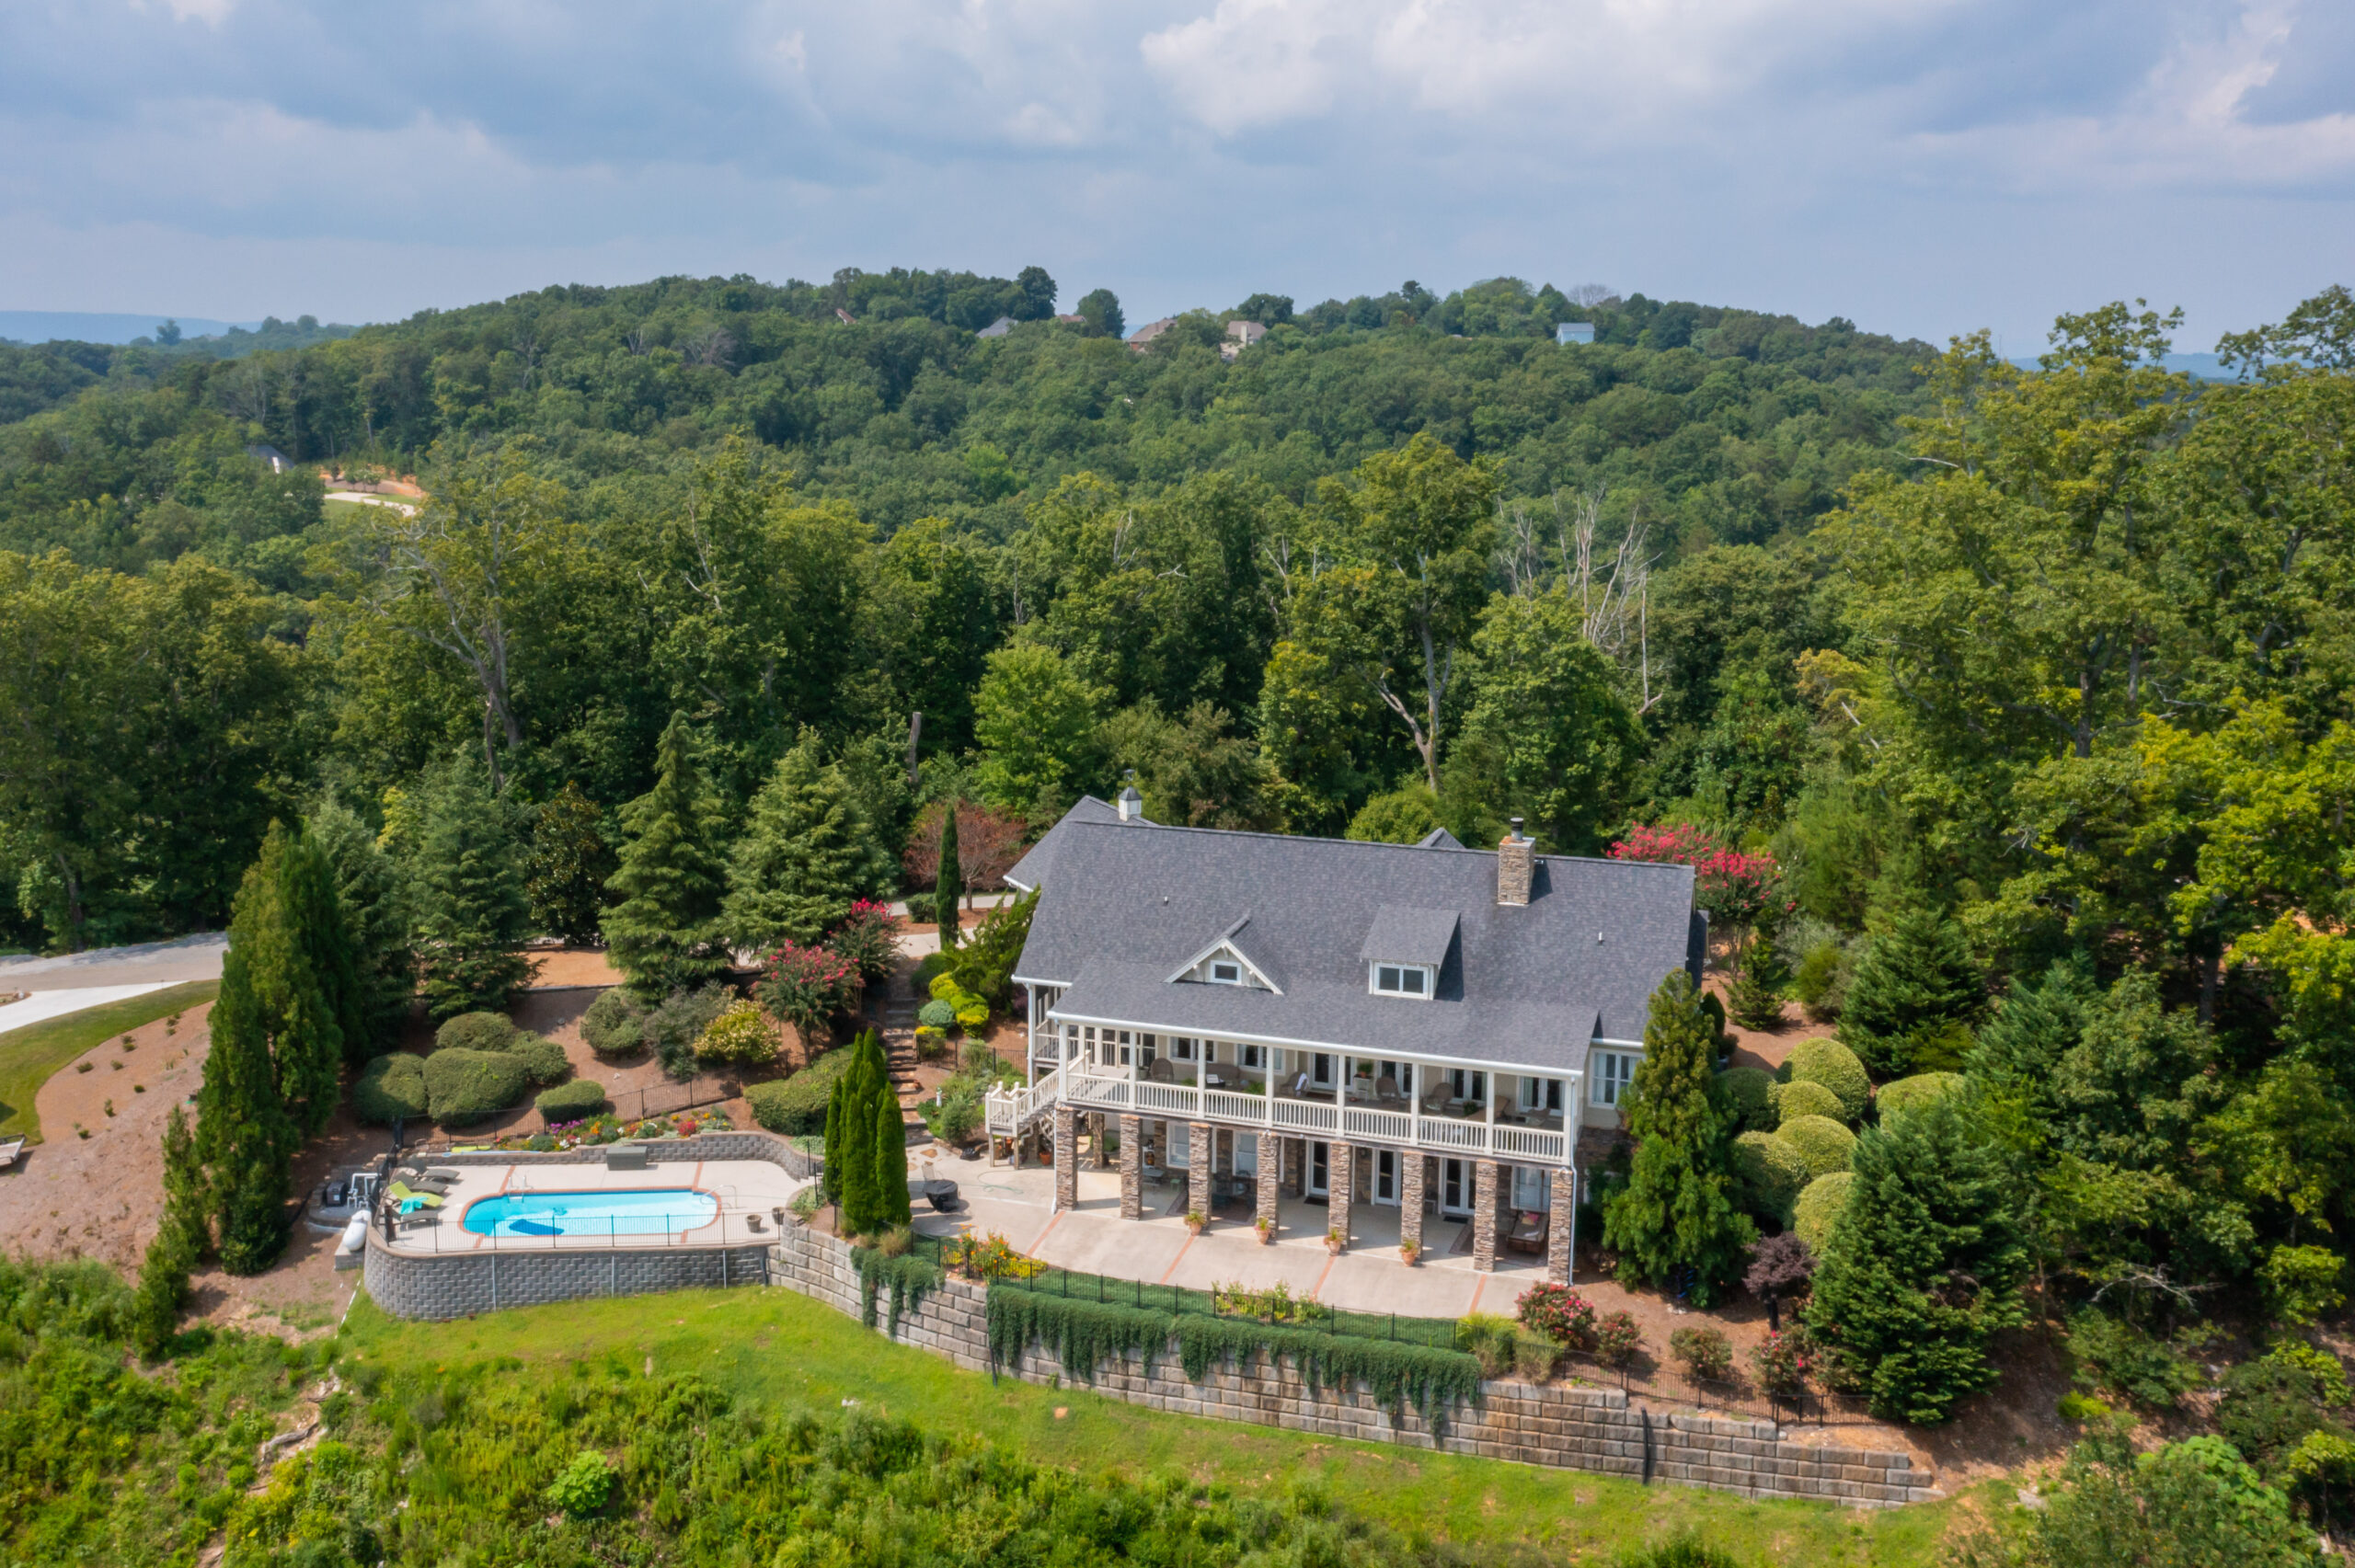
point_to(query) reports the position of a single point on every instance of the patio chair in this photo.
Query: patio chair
(1161, 1071)
(1528, 1233)
(403, 1193)
(1385, 1088)
(1435, 1098)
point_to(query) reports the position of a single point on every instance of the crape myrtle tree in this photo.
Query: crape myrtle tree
(1677, 1210)
(1923, 1264)
(664, 933)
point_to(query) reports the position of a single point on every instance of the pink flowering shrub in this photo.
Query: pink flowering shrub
(1559, 1313)
(870, 937)
(1734, 886)
(809, 988)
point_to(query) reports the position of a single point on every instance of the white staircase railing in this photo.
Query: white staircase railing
(1007, 1111)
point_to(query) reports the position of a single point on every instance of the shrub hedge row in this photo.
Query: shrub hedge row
(798, 1104)
(572, 1101)
(463, 1087)
(390, 1088)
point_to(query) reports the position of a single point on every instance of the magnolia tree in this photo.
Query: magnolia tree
(809, 988)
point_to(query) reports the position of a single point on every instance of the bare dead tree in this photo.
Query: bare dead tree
(1590, 294)
(1615, 603)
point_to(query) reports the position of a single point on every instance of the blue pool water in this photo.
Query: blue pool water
(645, 1212)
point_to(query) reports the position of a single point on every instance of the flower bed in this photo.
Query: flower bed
(591, 1131)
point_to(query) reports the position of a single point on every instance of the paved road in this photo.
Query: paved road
(194, 957)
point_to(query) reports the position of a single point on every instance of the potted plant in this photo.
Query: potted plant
(1194, 1221)
(1409, 1251)
(1266, 1225)
(1336, 1240)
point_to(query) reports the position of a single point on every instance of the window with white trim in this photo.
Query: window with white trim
(1613, 1070)
(1254, 1056)
(1542, 1095)
(1225, 972)
(1402, 979)
(1468, 1084)
(1532, 1190)
(1181, 1049)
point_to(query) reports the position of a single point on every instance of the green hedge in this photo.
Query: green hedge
(572, 1101)
(907, 1277)
(390, 1088)
(1912, 1093)
(463, 1087)
(1792, 1101)
(1084, 1333)
(798, 1104)
(475, 1032)
(1822, 1143)
(542, 1057)
(1835, 1067)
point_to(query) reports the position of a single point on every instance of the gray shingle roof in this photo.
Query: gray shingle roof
(1125, 904)
(1404, 935)
(1031, 869)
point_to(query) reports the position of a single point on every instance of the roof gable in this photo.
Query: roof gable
(1401, 934)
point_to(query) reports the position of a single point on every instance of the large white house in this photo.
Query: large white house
(1419, 1025)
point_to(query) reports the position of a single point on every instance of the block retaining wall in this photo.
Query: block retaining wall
(1587, 1429)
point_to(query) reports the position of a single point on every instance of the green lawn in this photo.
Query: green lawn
(28, 1056)
(785, 1351)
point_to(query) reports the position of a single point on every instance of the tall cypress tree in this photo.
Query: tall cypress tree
(1925, 1263)
(466, 891)
(324, 927)
(245, 1136)
(950, 886)
(1915, 978)
(890, 1149)
(178, 1243)
(806, 853)
(368, 894)
(856, 1201)
(664, 934)
(1677, 1209)
(830, 1176)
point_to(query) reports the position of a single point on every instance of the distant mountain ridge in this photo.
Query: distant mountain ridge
(104, 326)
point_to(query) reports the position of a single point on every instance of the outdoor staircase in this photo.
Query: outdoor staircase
(899, 1029)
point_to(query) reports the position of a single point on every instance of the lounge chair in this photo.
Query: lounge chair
(9, 1150)
(405, 1196)
(1528, 1233)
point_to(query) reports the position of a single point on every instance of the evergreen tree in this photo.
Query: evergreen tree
(805, 854)
(324, 927)
(1925, 1263)
(949, 888)
(178, 1243)
(245, 1138)
(853, 1151)
(1915, 978)
(890, 1149)
(465, 879)
(368, 894)
(830, 1175)
(570, 863)
(663, 934)
(1677, 1209)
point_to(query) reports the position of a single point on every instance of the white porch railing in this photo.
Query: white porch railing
(1009, 1111)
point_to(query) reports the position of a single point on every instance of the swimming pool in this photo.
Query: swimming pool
(630, 1212)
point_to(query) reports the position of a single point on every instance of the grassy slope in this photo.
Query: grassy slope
(784, 1351)
(28, 1056)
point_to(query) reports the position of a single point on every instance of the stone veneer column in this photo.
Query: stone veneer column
(1558, 1225)
(1484, 1214)
(1270, 1180)
(1410, 1198)
(1131, 1168)
(1295, 1159)
(1067, 1157)
(1097, 1123)
(1200, 1145)
(1340, 1171)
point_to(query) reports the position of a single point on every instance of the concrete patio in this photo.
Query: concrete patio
(1018, 1203)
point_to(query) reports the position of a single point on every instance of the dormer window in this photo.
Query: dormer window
(1402, 979)
(1225, 972)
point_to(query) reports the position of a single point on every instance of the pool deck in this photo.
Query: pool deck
(749, 1191)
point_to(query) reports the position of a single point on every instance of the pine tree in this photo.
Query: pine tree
(570, 863)
(467, 892)
(890, 1149)
(1677, 1209)
(1915, 978)
(368, 894)
(663, 934)
(950, 888)
(325, 929)
(1925, 1263)
(245, 1138)
(805, 856)
(178, 1243)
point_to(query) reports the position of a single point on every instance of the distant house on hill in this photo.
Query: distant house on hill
(1071, 321)
(1568, 332)
(1142, 339)
(997, 328)
(1240, 335)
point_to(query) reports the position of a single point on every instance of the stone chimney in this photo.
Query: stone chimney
(1516, 861)
(1131, 803)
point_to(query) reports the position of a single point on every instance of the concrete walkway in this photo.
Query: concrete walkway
(40, 1006)
(1093, 1239)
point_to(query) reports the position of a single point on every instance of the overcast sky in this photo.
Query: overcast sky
(1922, 166)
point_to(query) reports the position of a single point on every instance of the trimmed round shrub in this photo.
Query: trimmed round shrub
(937, 1015)
(1749, 1090)
(572, 1102)
(1771, 1175)
(1823, 1143)
(542, 1058)
(1835, 1067)
(475, 1032)
(1912, 1093)
(390, 1087)
(1818, 1209)
(745, 1033)
(1792, 1101)
(798, 1104)
(463, 1087)
(614, 1025)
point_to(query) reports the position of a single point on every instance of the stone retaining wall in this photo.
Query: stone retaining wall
(1587, 1429)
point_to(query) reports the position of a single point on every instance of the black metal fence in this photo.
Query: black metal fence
(673, 1096)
